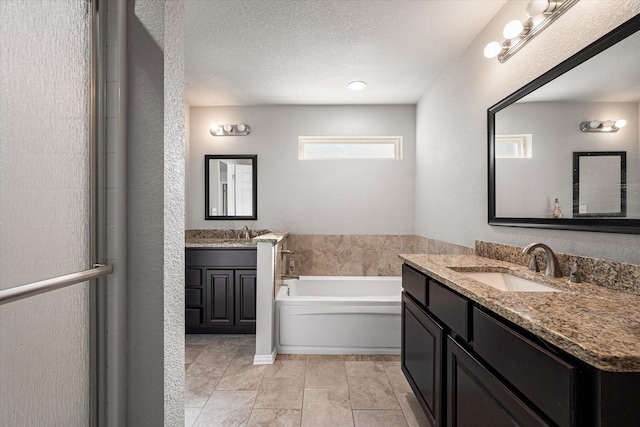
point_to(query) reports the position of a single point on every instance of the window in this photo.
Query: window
(513, 146)
(349, 147)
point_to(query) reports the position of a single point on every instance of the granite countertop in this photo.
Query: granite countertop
(597, 325)
(219, 243)
(229, 239)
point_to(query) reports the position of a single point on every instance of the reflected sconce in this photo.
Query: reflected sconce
(603, 125)
(240, 129)
(517, 34)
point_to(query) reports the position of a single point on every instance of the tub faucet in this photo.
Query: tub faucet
(553, 267)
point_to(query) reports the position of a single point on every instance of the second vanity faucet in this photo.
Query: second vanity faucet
(553, 267)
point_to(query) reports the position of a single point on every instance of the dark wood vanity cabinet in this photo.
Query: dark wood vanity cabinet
(220, 290)
(469, 367)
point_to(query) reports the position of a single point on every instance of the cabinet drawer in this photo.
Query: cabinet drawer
(225, 258)
(450, 308)
(193, 277)
(193, 316)
(543, 378)
(193, 296)
(414, 283)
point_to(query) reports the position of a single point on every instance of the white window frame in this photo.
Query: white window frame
(304, 141)
(522, 142)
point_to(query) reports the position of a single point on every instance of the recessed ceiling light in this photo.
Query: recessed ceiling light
(358, 85)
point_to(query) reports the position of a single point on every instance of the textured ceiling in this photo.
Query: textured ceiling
(254, 52)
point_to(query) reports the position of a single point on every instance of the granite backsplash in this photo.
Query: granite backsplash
(610, 274)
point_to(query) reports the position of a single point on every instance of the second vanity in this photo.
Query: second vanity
(220, 281)
(478, 356)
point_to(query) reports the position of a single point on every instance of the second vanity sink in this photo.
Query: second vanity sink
(507, 282)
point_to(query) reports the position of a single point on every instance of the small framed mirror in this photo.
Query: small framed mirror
(230, 187)
(599, 184)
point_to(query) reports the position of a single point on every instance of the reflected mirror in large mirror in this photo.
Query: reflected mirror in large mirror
(600, 184)
(590, 103)
(231, 186)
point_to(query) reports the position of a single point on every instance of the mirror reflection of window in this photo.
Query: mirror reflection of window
(513, 146)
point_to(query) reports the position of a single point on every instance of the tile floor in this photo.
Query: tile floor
(224, 388)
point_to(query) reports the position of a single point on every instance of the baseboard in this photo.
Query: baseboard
(264, 359)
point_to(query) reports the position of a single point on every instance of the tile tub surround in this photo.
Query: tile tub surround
(597, 325)
(360, 255)
(223, 388)
(614, 275)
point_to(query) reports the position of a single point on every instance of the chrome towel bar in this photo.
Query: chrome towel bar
(25, 291)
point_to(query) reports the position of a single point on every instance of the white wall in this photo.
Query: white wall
(314, 197)
(528, 187)
(451, 158)
(155, 213)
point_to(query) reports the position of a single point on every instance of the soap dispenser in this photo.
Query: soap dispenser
(557, 213)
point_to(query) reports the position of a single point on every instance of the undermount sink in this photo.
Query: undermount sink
(508, 282)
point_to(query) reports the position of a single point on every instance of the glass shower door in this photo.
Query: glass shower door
(45, 180)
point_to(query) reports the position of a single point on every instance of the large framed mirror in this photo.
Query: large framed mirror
(575, 107)
(230, 187)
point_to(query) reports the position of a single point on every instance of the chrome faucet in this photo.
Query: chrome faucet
(553, 266)
(245, 232)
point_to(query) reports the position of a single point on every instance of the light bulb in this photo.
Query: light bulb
(241, 127)
(537, 7)
(214, 128)
(228, 128)
(594, 124)
(492, 50)
(513, 29)
(607, 124)
(620, 123)
(357, 85)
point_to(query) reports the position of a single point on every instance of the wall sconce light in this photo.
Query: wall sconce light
(517, 34)
(603, 126)
(229, 130)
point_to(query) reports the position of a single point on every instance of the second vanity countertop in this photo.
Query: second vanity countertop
(595, 324)
(229, 239)
(219, 243)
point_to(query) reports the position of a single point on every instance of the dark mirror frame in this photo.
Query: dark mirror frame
(577, 155)
(615, 225)
(254, 159)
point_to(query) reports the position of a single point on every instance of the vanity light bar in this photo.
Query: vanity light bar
(603, 126)
(229, 130)
(541, 14)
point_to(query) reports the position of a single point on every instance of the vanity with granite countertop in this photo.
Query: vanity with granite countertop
(567, 355)
(220, 281)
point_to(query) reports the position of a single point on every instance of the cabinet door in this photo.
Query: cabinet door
(245, 304)
(219, 294)
(475, 398)
(422, 358)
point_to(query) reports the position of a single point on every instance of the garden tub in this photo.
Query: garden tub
(339, 315)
